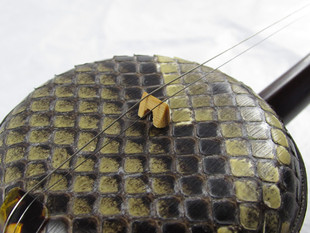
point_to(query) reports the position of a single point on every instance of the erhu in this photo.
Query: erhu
(78, 157)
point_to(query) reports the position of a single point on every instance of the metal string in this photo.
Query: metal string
(131, 108)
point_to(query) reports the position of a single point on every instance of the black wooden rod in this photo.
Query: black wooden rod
(290, 93)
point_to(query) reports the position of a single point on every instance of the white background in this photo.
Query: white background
(41, 38)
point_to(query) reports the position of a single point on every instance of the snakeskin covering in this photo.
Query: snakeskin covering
(224, 164)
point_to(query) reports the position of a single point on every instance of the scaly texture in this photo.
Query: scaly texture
(224, 164)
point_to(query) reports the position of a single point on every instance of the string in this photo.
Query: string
(131, 108)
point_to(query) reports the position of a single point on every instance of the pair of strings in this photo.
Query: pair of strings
(131, 108)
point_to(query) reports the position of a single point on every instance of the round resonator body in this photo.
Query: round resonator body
(225, 163)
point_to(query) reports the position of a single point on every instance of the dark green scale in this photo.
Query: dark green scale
(224, 164)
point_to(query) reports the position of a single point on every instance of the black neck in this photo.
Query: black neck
(290, 93)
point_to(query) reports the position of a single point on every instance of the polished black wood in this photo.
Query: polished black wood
(290, 93)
